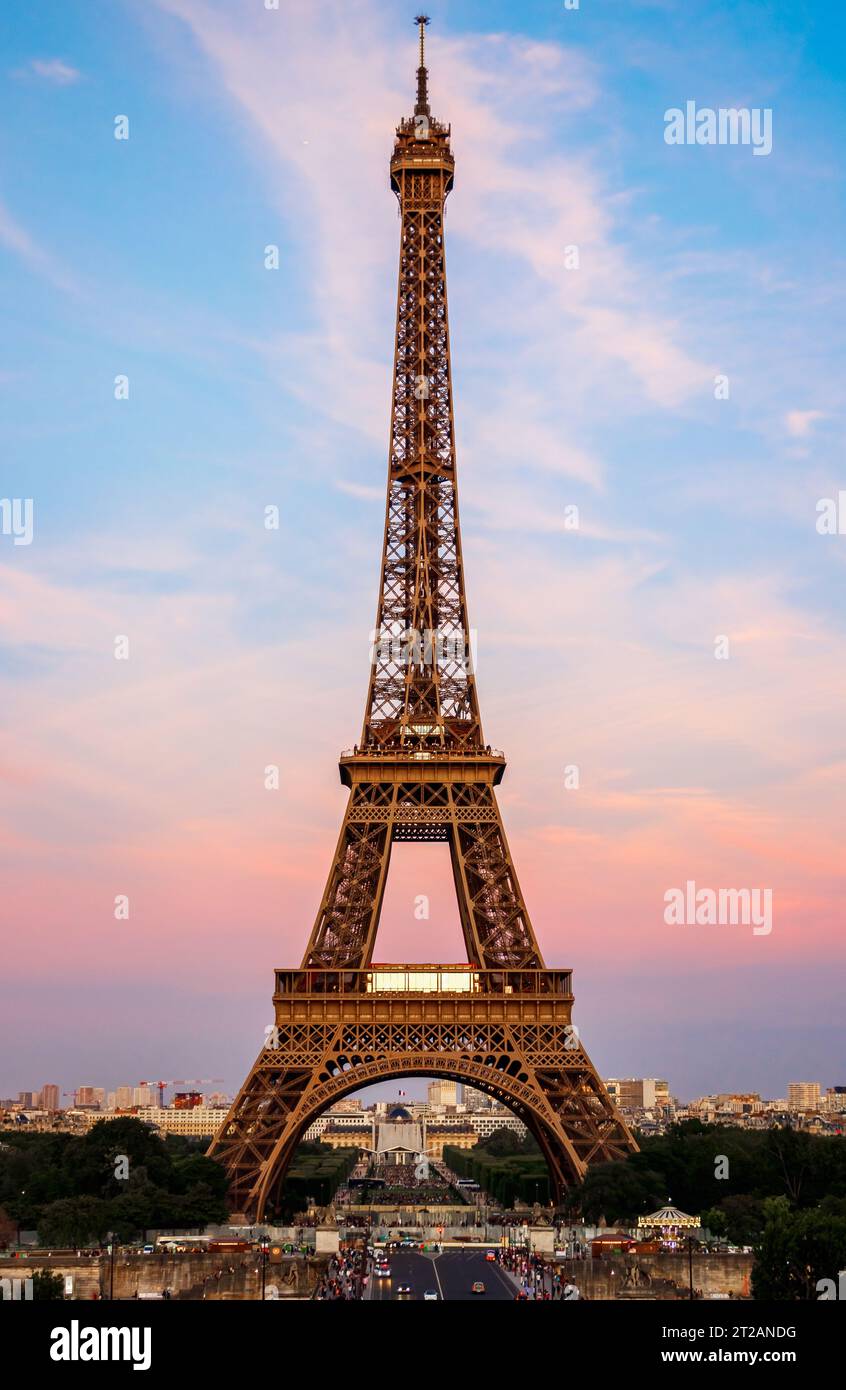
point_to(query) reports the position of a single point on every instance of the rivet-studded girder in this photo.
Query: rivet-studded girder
(422, 691)
(494, 920)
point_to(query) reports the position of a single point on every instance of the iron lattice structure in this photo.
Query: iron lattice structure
(421, 772)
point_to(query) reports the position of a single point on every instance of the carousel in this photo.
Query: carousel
(669, 1226)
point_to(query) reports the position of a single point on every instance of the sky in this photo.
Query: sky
(684, 647)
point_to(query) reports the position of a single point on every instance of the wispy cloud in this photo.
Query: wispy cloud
(801, 422)
(52, 70)
(18, 240)
(326, 127)
(362, 491)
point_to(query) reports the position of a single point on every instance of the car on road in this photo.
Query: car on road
(382, 1269)
(430, 1296)
(490, 1256)
(478, 1287)
(403, 1289)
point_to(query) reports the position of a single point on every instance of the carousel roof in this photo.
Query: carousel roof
(668, 1216)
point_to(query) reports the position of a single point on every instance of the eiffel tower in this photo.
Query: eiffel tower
(421, 772)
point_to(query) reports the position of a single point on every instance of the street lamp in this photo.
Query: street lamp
(264, 1249)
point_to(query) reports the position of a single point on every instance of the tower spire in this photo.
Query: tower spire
(422, 107)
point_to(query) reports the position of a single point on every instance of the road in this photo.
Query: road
(450, 1275)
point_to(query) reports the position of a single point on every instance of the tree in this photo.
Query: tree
(501, 1143)
(201, 1205)
(796, 1251)
(74, 1221)
(110, 1141)
(8, 1229)
(197, 1170)
(47, 1287)
(790, 1154)
(745, 1218)
(617, 1191)
(714, 1220)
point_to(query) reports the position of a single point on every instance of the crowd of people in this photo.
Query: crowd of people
(402, 1187)
(536, 1277)
(345, 1276)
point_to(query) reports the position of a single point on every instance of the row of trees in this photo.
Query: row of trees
(724, 1174)
(120, 1177)
(316, 1172)
(505, 1167)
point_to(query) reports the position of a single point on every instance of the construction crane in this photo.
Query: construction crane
(207, 1081)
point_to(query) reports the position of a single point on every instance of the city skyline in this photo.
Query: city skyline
(253, 387)
(412, 1088)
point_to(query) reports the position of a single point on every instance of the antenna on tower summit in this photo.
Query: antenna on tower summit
(422, 107)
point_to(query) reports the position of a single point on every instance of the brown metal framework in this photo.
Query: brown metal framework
(421, 772)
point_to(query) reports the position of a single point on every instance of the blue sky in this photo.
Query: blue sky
(251, 387)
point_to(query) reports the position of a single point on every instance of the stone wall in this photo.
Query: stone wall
(185, 1275)
(726, 1275)
(194, 1276)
